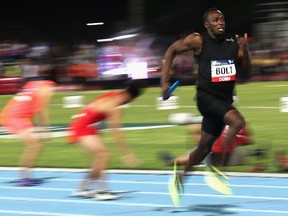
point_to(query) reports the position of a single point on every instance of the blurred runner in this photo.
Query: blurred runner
(243, 137)
(26, 115)
(84, 130)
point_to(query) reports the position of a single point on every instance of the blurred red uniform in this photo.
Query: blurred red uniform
(242, 138)
(84, 130)
(16, 115)
(82, 123)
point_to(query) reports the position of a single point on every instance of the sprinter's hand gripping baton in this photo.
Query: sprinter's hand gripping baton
(171, 90)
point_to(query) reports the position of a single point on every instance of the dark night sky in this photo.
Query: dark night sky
(66, 21)
(44, 19)
(186, 15)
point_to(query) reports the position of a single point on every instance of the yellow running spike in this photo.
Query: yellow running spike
(174, 193)
(217, 180)
(175, 186)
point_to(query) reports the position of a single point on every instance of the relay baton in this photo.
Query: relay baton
(173, 87)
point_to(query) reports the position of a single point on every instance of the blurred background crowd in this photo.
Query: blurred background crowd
(62, 43)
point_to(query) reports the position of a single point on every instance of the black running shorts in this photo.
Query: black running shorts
(213, 109)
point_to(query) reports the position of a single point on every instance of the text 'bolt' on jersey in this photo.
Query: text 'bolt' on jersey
(217, 66)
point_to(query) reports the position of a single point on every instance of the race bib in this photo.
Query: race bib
(223, 70)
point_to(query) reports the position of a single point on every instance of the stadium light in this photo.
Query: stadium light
(121, 37)
(94, 24)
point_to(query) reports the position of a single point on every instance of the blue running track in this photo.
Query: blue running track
(143, 193)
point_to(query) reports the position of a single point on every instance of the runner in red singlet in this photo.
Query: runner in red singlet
(16, 117)
(243, 137)
(83, 130)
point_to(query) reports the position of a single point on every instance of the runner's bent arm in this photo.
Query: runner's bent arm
(114, 123)
(128, 157)
(244, 67)
(191, 42)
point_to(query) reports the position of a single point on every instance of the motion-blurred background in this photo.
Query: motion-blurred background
(96, 45)
(84, 42)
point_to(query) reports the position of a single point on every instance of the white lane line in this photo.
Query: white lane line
(276, 85)
(272, 212)
(156, 193)
(42, 213)
(135, 204)
(63, 133)
(150, 172)
(143, 182)
(194, 106)
(91, 201)
(204, 208)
